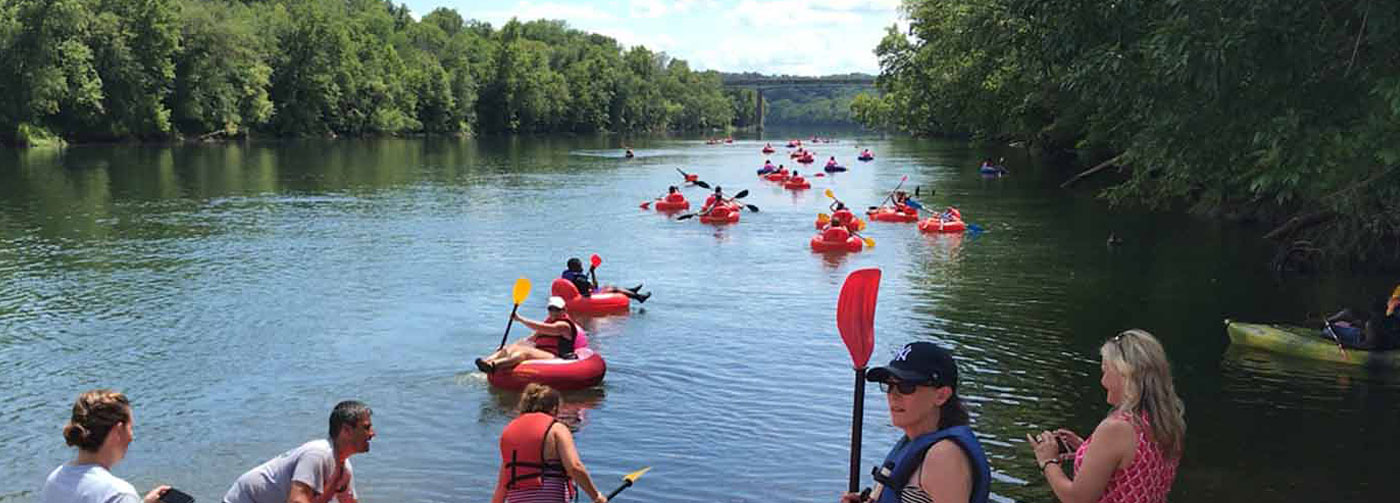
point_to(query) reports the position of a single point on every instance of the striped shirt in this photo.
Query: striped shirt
(551, 490)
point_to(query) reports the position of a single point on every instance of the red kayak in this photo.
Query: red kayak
(726, 214)
(954, 223)
(893, 214)
(584, 371)
(836, 239)
(595, 304)
(797, 183)
(672, 202)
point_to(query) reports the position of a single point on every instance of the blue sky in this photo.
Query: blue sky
(798, 37)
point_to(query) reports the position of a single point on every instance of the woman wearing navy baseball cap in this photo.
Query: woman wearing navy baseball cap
(921, 386)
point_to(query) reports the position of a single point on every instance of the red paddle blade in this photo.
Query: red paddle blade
(855, 314)
(595, 260)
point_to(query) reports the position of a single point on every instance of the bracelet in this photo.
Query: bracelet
(1047, 463)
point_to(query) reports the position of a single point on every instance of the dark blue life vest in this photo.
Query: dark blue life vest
(580, 281)
(908, 455)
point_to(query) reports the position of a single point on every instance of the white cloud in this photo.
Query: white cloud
(649, 9)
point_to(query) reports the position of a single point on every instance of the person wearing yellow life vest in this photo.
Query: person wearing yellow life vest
(539, 463)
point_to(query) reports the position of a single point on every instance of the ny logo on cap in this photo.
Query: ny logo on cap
(903, 353)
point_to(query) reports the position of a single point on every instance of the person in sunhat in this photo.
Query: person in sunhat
(553, 338)
(938, 458)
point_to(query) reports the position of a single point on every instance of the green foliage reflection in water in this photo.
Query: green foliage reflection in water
(1286, 111)
(151, 69)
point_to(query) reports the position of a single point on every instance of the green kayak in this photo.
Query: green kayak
(1304, 342)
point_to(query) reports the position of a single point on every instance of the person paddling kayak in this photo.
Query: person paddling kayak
(553, 338)
(587, 284)
(539, 462)
(921, 385)
(1378, 332)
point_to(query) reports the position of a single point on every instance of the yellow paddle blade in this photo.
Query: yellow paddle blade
(830, 194)
(869, 243)
(823, 218)
(632, 477)
(521, 290)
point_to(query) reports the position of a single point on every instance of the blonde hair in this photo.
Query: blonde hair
(94, 414)
(539, 398)
(1148, 388)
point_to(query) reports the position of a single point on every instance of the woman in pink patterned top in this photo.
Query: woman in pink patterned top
(1133, 453)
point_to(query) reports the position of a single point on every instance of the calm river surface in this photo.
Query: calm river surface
(237, 292)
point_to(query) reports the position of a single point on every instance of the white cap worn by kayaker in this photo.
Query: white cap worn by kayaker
(556, 302)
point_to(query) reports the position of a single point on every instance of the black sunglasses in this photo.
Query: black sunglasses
(903, 387)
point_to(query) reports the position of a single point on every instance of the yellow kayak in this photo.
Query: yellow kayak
(1306, 343)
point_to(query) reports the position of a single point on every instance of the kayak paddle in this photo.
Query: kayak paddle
(594, 261)
(855, 318)
(902, 179)
(1328, 325)
(518, 294)
(627, 481)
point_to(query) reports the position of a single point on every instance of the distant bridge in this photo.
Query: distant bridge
(759, 84)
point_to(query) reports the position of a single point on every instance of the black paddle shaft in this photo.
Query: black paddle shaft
(625, 484)
(508, 324)
(857, 413)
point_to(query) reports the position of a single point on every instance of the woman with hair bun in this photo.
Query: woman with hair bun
(1133, 454)
(539, 463)
(101, 430)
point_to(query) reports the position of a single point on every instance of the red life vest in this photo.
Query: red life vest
(844, 216)
(558, 345)
(674, 197)
(836, 234)
(522, 452)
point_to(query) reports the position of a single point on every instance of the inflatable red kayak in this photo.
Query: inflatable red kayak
(836, 239)
(595, 304)
(727, 214)
(891, 214)
(797, 182)
(672, 202)
(585, 371)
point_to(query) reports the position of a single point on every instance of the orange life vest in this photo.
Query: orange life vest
(522, 452)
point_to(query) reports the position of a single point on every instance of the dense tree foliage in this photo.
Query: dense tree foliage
(1285, 110)
(151, 69)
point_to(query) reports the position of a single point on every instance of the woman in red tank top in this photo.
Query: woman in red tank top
(1132, 455)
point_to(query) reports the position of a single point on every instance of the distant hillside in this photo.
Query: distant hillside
(821, 106)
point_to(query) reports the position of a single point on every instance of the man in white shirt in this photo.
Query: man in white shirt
(314, 472)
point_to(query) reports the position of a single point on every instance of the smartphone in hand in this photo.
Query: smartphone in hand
(174, 495)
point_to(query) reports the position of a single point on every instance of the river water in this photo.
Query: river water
(237, 292)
